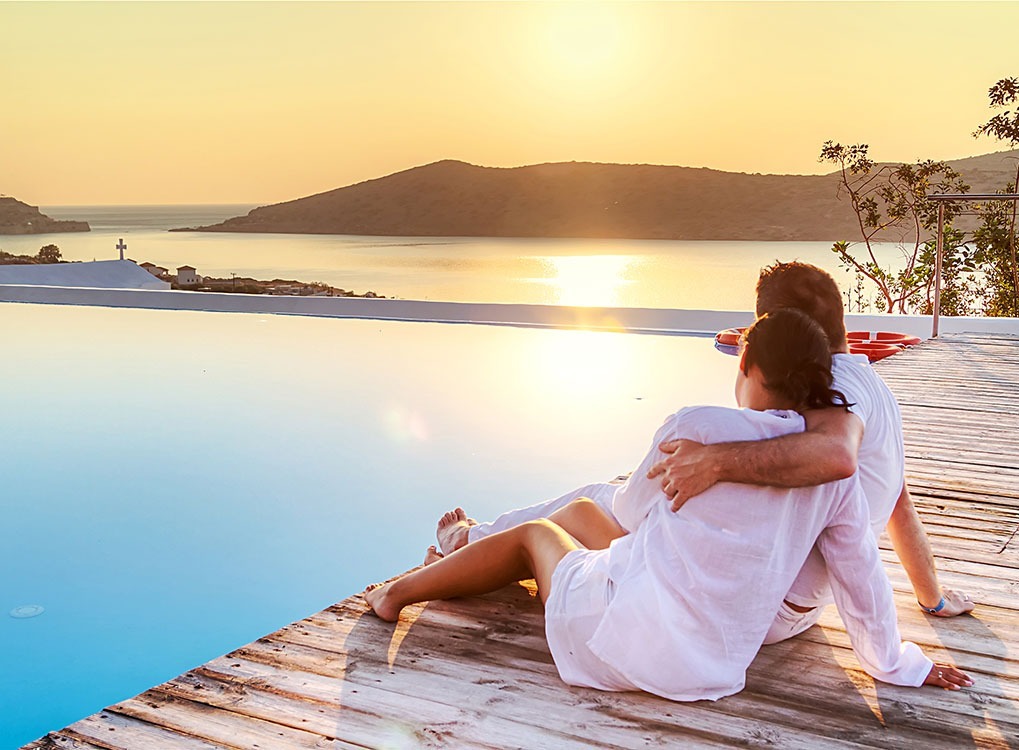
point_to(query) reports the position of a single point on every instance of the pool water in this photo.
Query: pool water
(178, 484)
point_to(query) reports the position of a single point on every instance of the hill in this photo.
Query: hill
(634, 201)
(20, 218)
(989, 172)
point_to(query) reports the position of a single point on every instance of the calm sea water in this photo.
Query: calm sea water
(616, 273)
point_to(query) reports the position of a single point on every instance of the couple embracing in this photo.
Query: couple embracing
(739, 526)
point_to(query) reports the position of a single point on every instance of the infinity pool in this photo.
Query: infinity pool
(178, 484)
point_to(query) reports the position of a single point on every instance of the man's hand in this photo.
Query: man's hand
(956, 603)
(688, 471)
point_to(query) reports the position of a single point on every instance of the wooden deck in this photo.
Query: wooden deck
(477, 673)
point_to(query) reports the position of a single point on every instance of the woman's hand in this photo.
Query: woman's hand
(948, 677)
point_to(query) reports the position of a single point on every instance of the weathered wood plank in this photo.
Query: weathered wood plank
(116, 732)
(425, 659)
(357, 711)
(815, 661)
(61, 741)
(223, 728)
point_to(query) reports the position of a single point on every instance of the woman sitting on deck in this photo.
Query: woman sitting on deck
(679, 604)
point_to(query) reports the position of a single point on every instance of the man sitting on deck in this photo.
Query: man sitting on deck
(836, 440)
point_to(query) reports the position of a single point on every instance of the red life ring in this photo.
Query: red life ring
(882, 337)
(729, 337)
(874, 350)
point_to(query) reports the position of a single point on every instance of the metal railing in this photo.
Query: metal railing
(941, 200)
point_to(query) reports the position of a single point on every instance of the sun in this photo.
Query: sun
(579, 40)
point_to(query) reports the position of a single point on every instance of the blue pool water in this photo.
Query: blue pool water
(178, 484)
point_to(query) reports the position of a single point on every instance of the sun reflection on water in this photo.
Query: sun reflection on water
(577, 364)
(589, 280)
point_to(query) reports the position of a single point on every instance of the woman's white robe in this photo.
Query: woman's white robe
(692, 594)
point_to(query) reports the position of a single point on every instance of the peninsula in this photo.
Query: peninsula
(585, 200)
(20, 218)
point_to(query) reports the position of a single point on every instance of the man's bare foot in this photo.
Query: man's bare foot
(432, 555)
(377, 596)
(453, 529)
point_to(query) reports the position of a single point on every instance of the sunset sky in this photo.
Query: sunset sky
(238, 102)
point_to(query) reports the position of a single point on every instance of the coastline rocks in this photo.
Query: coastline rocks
(20, 218)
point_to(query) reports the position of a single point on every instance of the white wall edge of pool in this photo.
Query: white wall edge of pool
(622, 319)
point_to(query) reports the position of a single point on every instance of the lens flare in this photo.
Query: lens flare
(404, 425)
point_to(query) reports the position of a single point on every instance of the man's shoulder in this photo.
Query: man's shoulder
(871, 398)
(853, 375)
(851, 364)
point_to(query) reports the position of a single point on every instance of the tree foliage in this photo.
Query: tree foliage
(962, 285)
(980, 273)
(995, 238)
(891, 202)
(1004, 125)
(48, 254)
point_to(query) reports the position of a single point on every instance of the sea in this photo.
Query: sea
(704, 275)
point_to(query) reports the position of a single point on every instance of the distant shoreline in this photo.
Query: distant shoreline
(276, 287)
(18, 218)
(581, 200)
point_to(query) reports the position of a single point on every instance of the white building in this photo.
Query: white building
(101, 274)
(186, 276)
(157, 271)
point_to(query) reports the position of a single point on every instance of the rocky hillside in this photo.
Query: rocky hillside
(20, 218)
(452, 198)
(990, 172)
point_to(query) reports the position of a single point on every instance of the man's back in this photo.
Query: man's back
(881, 455)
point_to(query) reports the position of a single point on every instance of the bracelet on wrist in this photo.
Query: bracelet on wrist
(933, 610)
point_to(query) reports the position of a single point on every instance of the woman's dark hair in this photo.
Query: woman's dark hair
(794, 357)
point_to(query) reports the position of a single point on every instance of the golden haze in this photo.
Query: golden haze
(265, 102)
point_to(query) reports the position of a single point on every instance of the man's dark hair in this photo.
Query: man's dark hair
(806, 288)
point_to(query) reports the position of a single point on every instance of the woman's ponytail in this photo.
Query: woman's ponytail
(794, 357)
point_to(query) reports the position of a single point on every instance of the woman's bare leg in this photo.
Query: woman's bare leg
(588, 523)
(531, 550)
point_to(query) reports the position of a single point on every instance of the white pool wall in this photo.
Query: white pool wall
(624, 319)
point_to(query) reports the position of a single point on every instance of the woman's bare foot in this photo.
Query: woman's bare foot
(432, 555)
(453, 529)
(377, 596)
